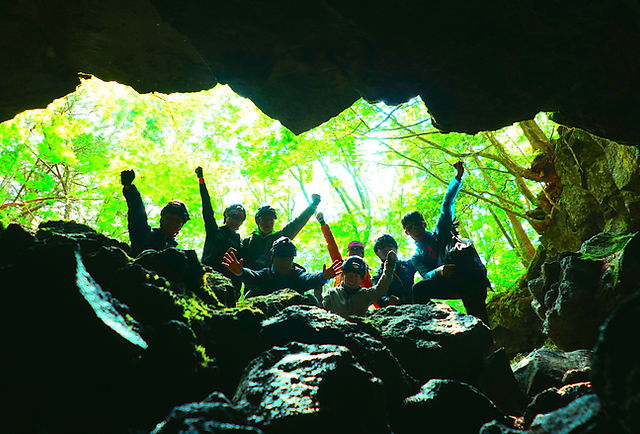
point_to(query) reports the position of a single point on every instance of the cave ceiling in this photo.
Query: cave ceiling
(476, 65)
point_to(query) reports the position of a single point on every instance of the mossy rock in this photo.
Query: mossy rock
(516, 327)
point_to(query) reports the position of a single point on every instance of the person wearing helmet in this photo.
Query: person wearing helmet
(351, 298)
(142, 237)
(354, 248)
(440, 279)
(399, 291)
(282, 273)
(255, 248)
(219, 239)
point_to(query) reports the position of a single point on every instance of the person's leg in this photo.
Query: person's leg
(475, 303)
(427, 289)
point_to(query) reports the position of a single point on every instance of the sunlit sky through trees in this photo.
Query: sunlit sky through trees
(371, 164)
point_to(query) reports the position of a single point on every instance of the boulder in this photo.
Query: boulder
(273, 303)
(553, 398)
(584, 415)
(516, 327)
(313, 325)
(446, 406)
(546, 367)
(232, 337)
(216, 414)
(433, 340)
(570, 321)
(616, 368)
(312, 389)
(72, 344)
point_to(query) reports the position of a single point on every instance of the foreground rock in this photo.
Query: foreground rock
(314, 325)
(312, 389)
(616, 367)
(546, 367)
(433, 340)
(446, 406)
(574, 295)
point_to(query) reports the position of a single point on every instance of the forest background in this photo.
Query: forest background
(371, 164)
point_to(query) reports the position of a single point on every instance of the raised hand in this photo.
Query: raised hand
(199, 173)
(231, 262)
(333, 270)
(320, 218)
(391, 259)
(315, 199)
(459, 166)
(127, 177)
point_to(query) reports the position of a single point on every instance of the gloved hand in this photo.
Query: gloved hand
(127, 177)
(199, 173)
(390, 262)
(320, 218)
(459, 166)
(315, 199)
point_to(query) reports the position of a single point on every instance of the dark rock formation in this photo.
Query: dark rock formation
(515, 325)
(312, 389)
(216, 414)
(552, 399)
(93, 330)
(433, 340)
(439, 404)
(584, 415)
(574, 295)
(313, 325)
(616, 370)
(304, 65)
(545, 368)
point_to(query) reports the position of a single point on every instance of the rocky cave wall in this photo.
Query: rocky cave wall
(477, 66)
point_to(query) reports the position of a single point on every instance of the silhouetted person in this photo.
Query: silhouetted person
(399, 291)
(142, 237)
(351, 298)
(219, 239)
(442, 280)
(354, 248)
(282, 273)
(256, 248)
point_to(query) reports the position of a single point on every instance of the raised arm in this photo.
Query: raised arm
(295, 226)
(332, 246)
(136, 213)
(447, 211)
(210, 224)
(378, 290)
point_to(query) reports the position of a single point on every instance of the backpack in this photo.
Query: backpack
(462, 253)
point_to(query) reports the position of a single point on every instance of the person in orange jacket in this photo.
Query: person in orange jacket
(354, 248)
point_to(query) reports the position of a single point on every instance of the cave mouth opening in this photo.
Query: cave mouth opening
(371, 163)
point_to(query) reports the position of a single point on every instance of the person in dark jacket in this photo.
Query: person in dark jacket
(399, 291)
(255, 248)
(440, 279)
(142, 237)
(282, 273)
(219, 239)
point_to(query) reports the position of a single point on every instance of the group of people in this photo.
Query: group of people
(264, 261)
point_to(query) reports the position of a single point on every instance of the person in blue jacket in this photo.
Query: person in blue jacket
(142, 236)
(440, 279)
(282, 273)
